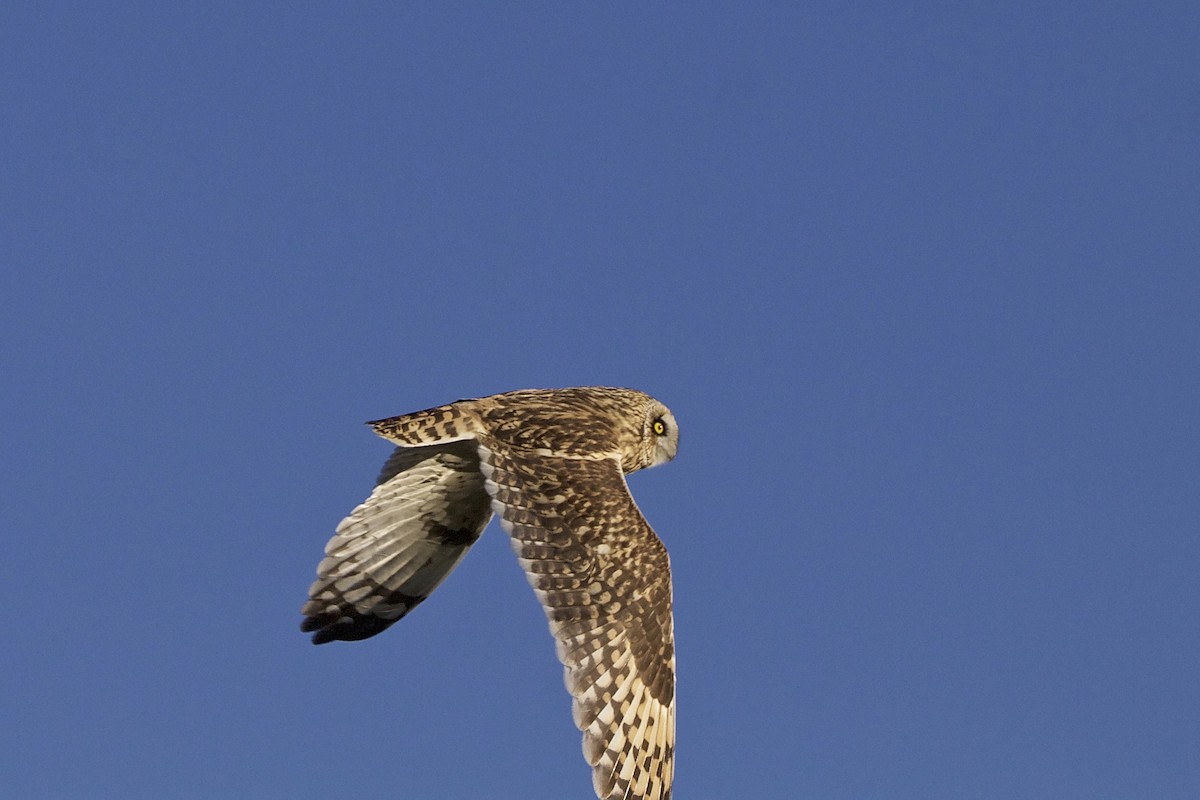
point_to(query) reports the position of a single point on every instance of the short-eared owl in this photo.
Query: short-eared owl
(552, 463)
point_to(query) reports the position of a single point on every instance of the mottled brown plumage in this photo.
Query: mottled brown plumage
(552, 464)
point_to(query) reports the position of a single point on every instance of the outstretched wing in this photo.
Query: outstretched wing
(429, 506)
(604, 580)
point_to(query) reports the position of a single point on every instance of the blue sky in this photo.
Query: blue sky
(921, 284)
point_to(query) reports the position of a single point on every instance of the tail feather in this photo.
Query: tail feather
(431, 426)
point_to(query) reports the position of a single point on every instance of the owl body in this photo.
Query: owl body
(551, 463)
(581, 422)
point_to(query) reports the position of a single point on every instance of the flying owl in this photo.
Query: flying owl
(552, 464)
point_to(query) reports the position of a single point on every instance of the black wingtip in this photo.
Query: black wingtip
(327, 628)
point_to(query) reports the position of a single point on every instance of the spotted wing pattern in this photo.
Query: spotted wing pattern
(429, 506)
(603, 578)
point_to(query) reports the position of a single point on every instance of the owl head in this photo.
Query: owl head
(660, 434)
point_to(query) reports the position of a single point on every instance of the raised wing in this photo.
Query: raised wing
(429, 506)
(604, 580)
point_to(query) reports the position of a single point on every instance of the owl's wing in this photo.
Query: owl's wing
(429, 506)
(604, 580)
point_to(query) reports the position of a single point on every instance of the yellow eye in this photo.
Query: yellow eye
(659, 427)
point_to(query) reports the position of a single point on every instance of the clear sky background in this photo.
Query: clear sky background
(921, 284)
